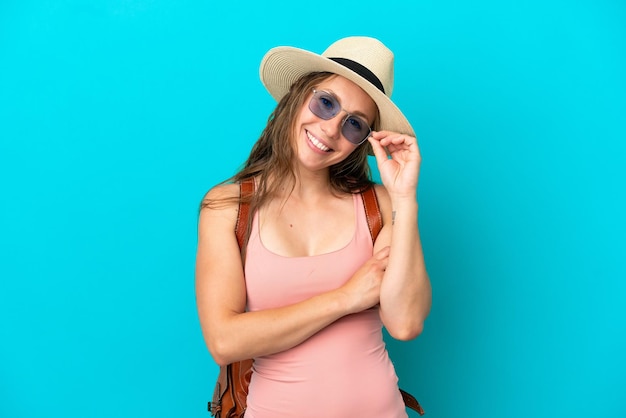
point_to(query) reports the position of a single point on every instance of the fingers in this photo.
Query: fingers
(379, 152)
(388, 138)
(381, 258)
(364, 286)
(382, 253)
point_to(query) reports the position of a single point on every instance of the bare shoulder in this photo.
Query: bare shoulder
(219, 208)
(222, 192)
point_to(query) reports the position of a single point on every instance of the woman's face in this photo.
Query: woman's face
(320, 143)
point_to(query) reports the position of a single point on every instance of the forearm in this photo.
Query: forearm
(253, 334)
(405, 295)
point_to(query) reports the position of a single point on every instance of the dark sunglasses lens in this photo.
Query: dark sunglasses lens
(355, 129)
(323, 105)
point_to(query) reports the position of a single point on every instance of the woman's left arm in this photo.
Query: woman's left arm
(405, 294)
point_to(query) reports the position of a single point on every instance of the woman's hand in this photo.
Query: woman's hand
(398, 159)
(363, 289)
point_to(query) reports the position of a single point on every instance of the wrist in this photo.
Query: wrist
(399, 201)
(341, 302)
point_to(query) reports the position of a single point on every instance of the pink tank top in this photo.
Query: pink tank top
(342, 371)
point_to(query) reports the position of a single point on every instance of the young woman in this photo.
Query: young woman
(313, 291)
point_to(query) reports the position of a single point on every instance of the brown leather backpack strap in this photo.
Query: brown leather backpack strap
(246, 189)
(372, 212)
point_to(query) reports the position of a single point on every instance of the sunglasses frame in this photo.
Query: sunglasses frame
(343, 121)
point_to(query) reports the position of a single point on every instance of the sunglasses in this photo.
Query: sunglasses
(326, 106)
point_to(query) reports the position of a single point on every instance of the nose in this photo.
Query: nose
(332, 127)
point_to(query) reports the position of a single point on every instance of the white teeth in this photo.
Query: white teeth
(317, 143)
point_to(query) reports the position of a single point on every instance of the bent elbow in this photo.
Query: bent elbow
(221, 362)
(219, 353)
(407, 332)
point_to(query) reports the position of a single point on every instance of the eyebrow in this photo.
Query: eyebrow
(356, 112)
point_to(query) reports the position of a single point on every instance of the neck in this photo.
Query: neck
(307, 186)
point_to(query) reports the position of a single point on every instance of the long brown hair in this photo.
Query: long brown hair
(271, 157)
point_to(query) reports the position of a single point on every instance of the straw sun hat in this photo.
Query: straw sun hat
(362, 60)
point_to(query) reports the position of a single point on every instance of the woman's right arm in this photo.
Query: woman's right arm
(231, 333)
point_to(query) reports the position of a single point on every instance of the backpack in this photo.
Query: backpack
(231, 389)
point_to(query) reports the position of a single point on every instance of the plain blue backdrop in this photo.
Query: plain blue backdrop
(116, 116)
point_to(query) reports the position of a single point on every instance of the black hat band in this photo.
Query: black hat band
(360, 70)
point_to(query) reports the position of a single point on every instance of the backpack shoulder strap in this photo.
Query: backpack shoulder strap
(246, 189)
(372, 212)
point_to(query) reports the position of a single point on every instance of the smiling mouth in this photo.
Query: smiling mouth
(317, 143)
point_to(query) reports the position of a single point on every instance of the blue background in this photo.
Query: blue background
(117, 115)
